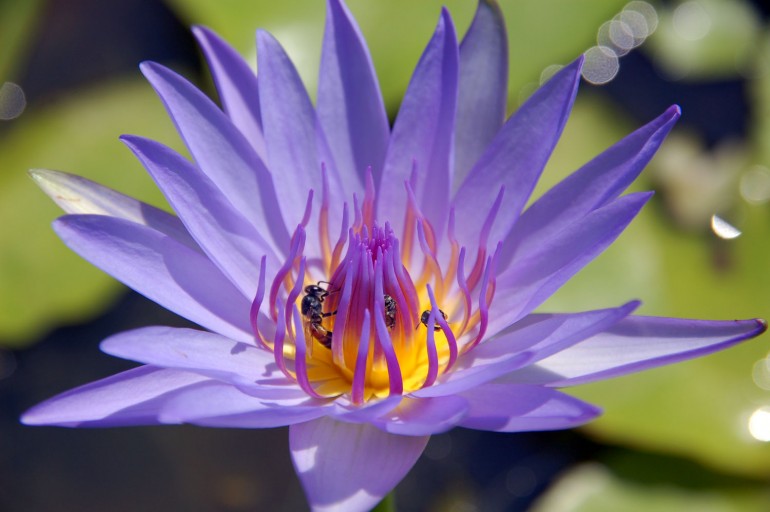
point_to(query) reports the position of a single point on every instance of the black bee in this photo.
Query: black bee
(426, 316)
(390, 311)
(312, 310)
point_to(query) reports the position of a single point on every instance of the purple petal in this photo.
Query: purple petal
(296, 145)
(237, 86)
(515, 158)
(229, 240)
(528, 340)
(535, 274)
(350, 107)
(160, 268)
(638, 343)
(423, 135)
(592, 186)
(350, 466)
(75, 194)
(221, 151)
(502, 407)
(424, 416)
(346, 410)
(202, 352)
(483, 86)
(216, 404)
(134, 397)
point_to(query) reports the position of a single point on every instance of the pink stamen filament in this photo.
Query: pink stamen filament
(430, 346)
(359, 376)
(297, 245)
(354, 310)
(280, 334)
(450, 337)
(256, 304)
(300, 362)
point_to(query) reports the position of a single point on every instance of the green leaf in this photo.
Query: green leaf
(593, 488)
(17, 23)
(707, 39)
(42, 283)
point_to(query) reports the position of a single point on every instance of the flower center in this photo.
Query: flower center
(359, 324)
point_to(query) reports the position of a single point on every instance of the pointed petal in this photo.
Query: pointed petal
(516, 158)
(216, 404)
(296, 146)
(424, 416)
(229, 240)
(202, 352)
(502, 407)
(483, 86)
(535, 275)
(134, 397)
(638, 343)
(592, 186)
(75, 194)
(350, 106)
(350, 466)
(528, 340)
(161, 269)
(236, 84)
(423, 134)
(221, 151)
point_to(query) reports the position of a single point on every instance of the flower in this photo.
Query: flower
(368, 287)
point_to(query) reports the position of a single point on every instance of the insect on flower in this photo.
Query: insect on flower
(283, 194)
(312, 310)
(391, 309)
(425, 318)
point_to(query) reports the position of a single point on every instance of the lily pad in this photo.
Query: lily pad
(594, 488)
(42, 283)
(17, 23)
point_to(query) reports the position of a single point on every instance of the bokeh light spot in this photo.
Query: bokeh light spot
(636, 24)
(601, 65)
(692, 21)
(548, 72)
(12, 101)
(761, 374)
(615, 37)
(724, 229)
(759, 424)
(647, 11)
(755, 185)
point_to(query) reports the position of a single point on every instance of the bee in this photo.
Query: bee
(426, 316)
(390, 311)
(312, 310)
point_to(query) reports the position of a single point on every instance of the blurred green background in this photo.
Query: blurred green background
(688, 437)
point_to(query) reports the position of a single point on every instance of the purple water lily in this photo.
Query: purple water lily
(367, 286)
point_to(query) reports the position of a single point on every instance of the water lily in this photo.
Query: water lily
(366, 286)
